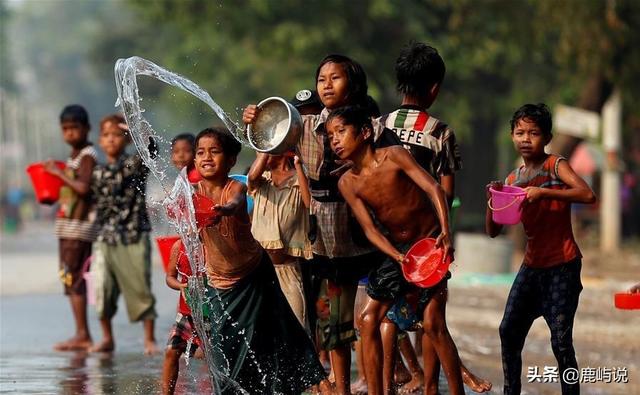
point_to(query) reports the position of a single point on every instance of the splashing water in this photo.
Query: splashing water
(178, 202)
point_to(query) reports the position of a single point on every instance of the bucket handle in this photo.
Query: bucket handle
(501, 208)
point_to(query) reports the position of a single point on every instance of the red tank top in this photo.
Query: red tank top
(547, 222)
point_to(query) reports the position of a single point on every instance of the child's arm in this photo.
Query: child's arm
(257, 168)
(172, 271)
(366, 222)
(303, 181)
(491, 228)
(82, 184)
(448, 184)
(407, 163)
(239, 193)
(578, 191)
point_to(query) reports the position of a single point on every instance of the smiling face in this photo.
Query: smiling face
(211, 161)
(113, 140)
(528, 139)
(332, 85)
(181, 154)
(74, 133)
(345, 139)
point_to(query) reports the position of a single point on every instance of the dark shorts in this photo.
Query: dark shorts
(73, 255)
(181, 332)
(386, 282)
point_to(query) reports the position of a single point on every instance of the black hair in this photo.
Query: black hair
(188, 137)
(536, 113)
(372, 107)
(75, 113)
(356, 77)
(418, 68)
(357, 116)
(230, 146)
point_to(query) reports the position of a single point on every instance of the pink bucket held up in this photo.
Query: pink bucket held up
(164, 246)
(506, 204)
(46, 185)
(425, 265)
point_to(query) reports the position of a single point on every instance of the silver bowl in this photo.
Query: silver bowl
(277, 128)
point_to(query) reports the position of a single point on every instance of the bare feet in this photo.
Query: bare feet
(414, 386)
(402, 375)
(326, 387)
(476, 383)
(359, 387)
(74, 344)
(150, 347)
(104, 346)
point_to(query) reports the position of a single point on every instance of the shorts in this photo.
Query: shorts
(73, 255)
(181, 332)
(386, 282)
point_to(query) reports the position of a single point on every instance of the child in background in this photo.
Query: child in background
(122, 258)
(351, 133)
(182, 153)
(548, 282)
(281, 221)
(259, 342)
(75, 227)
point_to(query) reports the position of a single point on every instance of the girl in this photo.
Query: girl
(281, 221)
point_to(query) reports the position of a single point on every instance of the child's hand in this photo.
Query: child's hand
(223, 210)
(51, 168)
(635, 289)
(183, 286)
(533, 194)
(250, 113)
(296, 160)
(497, 185)
(444, 241)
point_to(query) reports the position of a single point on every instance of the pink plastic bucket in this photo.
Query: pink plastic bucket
(506, 204)
(88, 280)
(46, 185)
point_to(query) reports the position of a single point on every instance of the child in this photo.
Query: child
(420, 71)
(183, 329)
(548, 282)
(350, 133)
(258, 341)
(122, 250)
(338, 259)
(281, 221)
(75, 225)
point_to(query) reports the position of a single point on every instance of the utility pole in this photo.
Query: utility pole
(610, 205)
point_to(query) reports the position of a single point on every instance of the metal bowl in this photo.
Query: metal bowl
(277, 127)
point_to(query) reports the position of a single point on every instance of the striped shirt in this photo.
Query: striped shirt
(76, 216)
(431, 142)
(547, 222)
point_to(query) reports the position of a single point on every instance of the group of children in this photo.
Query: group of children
(340, 210)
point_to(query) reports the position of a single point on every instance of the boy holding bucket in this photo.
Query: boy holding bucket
(548, 282)
(406, 216)
(75, 226)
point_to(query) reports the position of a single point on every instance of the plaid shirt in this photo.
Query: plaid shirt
(120, 192)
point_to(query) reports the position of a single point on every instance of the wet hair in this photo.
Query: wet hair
(536, 113)
(356, 77)
(188, 137)
(418, 68)
(372, 107)
(230, 146)
(356, 116)
(75, 113)
(113, 118)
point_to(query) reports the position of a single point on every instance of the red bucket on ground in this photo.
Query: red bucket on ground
(425, 265)
(627, 301)
(164, 246)
(505, 204)
(47, 186)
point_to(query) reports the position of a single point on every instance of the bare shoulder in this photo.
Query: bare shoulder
(346, 181)
(395, 153)
(237, 187)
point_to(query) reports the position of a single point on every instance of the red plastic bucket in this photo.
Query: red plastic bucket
(205, 211)
(627, 301)
(46, 185)
(425, 265)
(164, 246)
(506, 204)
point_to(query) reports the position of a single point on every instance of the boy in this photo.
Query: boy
(350, 134)
(548, 282)
(257, 340)
(122, 250)
(75, 225)
(420, 71)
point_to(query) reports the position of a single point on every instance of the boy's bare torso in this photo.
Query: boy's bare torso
(397, 202)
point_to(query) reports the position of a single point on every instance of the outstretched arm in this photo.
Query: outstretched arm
(239, 196)
(364, 218)
(578, 191)
(257, 168)
(435, 192)
(303, 181)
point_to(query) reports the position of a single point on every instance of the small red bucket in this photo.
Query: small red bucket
(164, 246)
(628, 301)
(46, 185)
(205, 211)
(424, 264)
